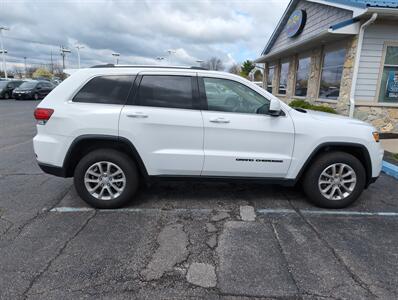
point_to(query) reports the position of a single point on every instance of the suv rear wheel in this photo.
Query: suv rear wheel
(334, 180)
(106, 178)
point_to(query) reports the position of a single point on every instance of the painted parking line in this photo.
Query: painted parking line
(209, 210)
(85, 209)
(328, 212)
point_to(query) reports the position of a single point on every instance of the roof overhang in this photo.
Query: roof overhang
(324, 37)
(359, 11)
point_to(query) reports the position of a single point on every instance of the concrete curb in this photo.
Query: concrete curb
(390, 169)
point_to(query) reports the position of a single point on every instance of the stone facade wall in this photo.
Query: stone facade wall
(383, 118)
(315, 73)
(343, 103)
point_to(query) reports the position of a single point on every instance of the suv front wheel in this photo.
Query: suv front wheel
(106, 178)
(334, 180)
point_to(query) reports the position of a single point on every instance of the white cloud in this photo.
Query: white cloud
(139, 30)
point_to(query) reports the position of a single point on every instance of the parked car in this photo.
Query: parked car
(33, 90)
(114, 127)
(7, 87)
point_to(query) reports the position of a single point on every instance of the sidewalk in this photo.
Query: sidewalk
(390, 145)
(390, 164)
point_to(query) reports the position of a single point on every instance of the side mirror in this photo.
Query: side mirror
(274, 108)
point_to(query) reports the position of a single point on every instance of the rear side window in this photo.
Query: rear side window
(165, 91)
(106, 90)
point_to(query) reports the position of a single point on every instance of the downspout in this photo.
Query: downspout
(356, 63)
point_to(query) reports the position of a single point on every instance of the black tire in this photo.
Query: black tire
(36, 96)
(6, 96)
(312, 175)
(120, 159)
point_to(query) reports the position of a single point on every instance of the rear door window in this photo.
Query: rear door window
(166, 91)
(106, 90)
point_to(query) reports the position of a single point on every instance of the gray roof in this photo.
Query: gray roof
(369, 3)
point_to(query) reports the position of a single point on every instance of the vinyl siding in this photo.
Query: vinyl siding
(371, 59)
(319, 18)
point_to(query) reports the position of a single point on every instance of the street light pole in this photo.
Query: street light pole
(2, 50)
(200, 61)
(78, 47)
(116, 55)
(24, 58)
(170, 52)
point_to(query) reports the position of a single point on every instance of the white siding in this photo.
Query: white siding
(371, 60)
(319, 18)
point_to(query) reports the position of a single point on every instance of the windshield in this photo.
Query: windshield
(3, 84)
(28, 85)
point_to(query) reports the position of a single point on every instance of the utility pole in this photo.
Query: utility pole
(26, 70)
(52, 63)
(63, 54)
(3, 53)
(116, 55)
(78, 47)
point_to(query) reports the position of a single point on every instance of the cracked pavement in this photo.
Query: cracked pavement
(185, 240)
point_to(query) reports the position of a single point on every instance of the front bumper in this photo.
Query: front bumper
(22, 96)
(53, 170)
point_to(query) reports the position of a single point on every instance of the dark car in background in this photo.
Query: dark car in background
(7, 87)
(33, 89)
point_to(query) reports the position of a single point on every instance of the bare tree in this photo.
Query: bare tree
(18, 72)
(235, 69)
(213, 63)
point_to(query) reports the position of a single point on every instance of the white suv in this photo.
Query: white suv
(112, 127)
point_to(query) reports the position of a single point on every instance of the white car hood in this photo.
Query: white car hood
(331, 118)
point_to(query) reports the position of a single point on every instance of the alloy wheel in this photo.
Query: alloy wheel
(337, 181)
(105, 180)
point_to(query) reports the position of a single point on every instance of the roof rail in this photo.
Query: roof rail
(147, 66)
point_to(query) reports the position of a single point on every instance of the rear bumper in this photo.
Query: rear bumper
(53, 170)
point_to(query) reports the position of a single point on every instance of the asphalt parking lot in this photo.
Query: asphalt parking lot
(186, 240)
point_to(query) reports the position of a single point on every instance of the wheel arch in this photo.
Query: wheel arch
(87, 143)
(355, 149)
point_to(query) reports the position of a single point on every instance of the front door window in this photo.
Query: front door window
(231, 96)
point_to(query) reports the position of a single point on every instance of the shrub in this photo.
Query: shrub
(395, 156)
(298, 103)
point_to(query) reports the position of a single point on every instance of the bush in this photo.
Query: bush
(395, 156)
(42, 73)
(298, 103)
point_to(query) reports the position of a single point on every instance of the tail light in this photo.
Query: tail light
(42, 115)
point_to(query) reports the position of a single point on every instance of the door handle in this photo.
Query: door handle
(137, 115)
(219, 120)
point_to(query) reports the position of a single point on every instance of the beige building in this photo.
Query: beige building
(341, 53)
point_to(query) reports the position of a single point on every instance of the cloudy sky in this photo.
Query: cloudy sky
(139, 30)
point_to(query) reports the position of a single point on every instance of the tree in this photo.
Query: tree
(247, 66)
(234, 69)
(213, 63)
(258, 75)
(18, 72)
(40, 72)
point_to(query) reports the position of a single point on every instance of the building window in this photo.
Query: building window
(332, 69)
(284, 70)
(389, 78)
(303, 73)
(271, 70)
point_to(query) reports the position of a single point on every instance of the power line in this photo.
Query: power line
(29, 41)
